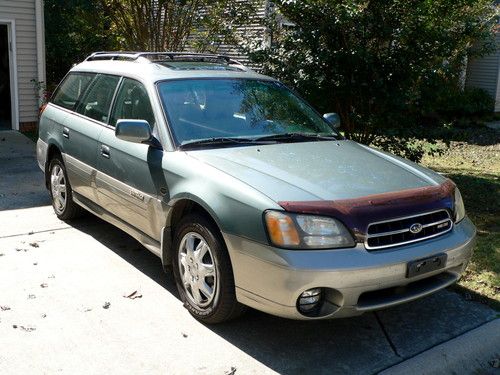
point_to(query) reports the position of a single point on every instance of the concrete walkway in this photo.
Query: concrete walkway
(63, 310)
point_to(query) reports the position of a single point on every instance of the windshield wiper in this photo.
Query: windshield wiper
(220, 141)
(296, 137)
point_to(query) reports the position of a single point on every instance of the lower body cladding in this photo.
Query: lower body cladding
(345, 282)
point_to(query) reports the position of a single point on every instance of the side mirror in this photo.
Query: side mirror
(136, 131)
(333, 119)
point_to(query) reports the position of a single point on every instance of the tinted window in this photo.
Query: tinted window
(97, 100)
(132, 103)
(71, 89)
(202, 109)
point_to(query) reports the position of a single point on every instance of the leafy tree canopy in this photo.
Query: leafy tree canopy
(379, 63)
(74, 29)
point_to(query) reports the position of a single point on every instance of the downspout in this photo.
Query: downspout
(40, 46)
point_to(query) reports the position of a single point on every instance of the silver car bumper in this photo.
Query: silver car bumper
(355, 280)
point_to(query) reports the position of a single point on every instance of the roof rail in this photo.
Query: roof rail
(163, 56)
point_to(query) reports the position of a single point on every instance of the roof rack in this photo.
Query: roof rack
(163, 57)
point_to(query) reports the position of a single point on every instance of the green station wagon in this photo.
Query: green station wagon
(244, 191)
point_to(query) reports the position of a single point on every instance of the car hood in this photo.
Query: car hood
(324, 170)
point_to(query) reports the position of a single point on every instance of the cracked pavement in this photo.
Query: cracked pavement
(66, 305)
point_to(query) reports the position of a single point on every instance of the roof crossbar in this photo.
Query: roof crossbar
(161, 56)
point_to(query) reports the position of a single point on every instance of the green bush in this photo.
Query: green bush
(469, 103)
(382, 65)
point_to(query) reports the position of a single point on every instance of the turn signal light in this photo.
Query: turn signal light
(281, 229)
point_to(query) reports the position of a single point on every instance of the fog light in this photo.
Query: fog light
(309, 300)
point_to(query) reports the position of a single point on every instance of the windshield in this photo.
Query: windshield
(199, 109)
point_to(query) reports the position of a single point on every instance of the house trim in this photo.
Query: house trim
(11, 32)
(40, 41)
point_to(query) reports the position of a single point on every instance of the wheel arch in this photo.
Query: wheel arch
(180, 207)
(52, 150)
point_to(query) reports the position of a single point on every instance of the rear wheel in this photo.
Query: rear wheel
(203, 272)
(60, 191)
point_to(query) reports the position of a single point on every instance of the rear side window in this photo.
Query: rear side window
(132, 103)
(73, 86)
(97, 101)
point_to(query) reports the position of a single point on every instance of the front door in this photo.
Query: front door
(5, 90)
(129, 173)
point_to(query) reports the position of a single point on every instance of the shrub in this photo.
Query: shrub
(379, 64)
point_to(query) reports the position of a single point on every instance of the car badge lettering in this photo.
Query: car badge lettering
(137, 195)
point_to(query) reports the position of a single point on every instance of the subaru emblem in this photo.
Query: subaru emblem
(416, 228)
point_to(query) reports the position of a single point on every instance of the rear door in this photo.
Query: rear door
(128, 180)
(82, 129)
(64, 125)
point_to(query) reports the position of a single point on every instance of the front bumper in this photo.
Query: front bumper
(355, 280)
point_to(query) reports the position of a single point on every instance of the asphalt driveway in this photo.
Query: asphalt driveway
(84, 297)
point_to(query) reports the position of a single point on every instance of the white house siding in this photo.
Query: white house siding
(24, 14)
(254, 29)
(483, 73)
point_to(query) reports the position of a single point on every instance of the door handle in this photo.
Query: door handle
(65, 132)
(105, 151)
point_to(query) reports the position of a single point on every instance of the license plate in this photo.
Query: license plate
(422, 266)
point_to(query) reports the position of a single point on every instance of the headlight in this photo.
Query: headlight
(296, 231)
(458, 206)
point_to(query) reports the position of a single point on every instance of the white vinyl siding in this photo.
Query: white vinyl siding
(23, 13)
(483, 73)
(253, 29)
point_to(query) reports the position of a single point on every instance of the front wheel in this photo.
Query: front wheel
(203, 272)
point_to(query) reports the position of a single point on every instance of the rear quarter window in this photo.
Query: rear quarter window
(71, 89)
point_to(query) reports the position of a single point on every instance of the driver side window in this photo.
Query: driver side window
(132, 103)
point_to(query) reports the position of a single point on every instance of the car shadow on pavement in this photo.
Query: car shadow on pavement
(365, 344)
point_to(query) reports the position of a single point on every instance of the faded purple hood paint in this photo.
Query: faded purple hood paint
(358, 213)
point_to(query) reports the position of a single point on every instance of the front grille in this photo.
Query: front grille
(397, 232)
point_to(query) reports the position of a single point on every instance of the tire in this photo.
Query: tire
(61, 192)
(204, 270)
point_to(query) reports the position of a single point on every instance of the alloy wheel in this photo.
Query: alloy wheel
(197, 269)
(58, 188)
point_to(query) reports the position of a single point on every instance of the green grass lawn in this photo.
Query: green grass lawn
(474, 165)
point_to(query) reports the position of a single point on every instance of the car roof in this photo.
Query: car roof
(154, 71)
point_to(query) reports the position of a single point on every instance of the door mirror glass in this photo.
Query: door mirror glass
(136, 131)
(333, 119)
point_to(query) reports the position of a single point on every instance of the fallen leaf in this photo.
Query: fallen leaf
(4, 308)
(44, 315)
(184, 334)
(106, 305)
(133, 295)
(231, 372)
(35, 264)
(27, 329)
(44, 285)
(34, 244)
